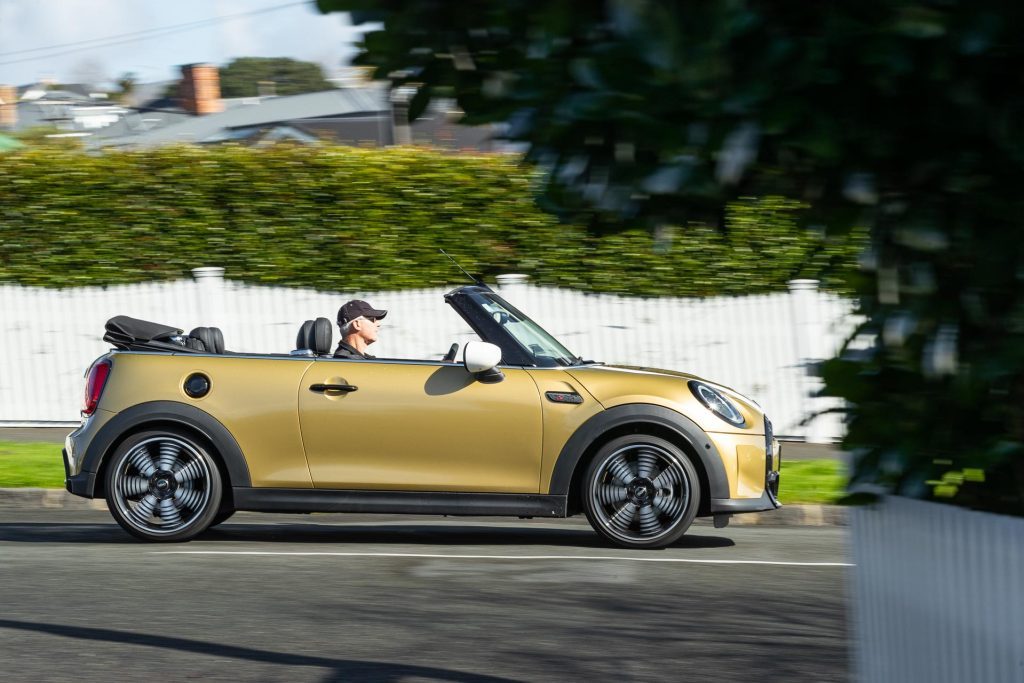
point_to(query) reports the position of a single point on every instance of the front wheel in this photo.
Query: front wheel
(163, 486)
(641, 492)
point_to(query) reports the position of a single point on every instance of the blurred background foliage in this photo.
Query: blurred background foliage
(902, 116)
(242, 77)
(46, 136)
(341, 218)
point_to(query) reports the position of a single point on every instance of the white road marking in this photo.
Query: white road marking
(498, 557)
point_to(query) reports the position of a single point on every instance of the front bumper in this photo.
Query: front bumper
(769, 498)
(732, 506)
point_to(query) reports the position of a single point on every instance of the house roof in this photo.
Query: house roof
(135, 123)
(151, 95)
(74, 92)
(56, 110)
(260, 112)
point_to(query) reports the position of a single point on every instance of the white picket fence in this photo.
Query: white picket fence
(759, 345)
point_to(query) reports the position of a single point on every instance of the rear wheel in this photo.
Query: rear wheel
(222, 516)
(163, 486)
(641, 492)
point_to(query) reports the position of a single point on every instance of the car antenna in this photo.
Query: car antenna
(476, 280)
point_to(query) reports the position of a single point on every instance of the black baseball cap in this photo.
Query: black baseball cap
(356, 308)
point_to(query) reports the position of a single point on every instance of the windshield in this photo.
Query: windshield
(544, 348)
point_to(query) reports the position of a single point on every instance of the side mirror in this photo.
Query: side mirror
(481, 360)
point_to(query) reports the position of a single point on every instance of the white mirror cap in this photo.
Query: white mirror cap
(480, 356)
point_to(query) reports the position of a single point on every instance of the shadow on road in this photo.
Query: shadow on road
(417, 533)
(341, 669)
(57, 532)
(431, 534)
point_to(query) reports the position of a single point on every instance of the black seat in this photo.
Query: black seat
(314, 338)
(211, 338)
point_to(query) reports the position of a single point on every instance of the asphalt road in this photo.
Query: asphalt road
(359, 598)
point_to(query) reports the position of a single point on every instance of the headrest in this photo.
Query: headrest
(211, 337)
(315, 335)
(321, 336)
(302, 338)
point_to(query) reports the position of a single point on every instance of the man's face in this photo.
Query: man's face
(367, 328)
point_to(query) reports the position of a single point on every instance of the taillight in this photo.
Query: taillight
(98, 375)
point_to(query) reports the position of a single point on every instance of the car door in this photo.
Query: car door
(419, 426)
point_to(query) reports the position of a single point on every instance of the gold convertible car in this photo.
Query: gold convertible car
(177, 434)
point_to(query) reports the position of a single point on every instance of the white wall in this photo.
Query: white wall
(758, 344)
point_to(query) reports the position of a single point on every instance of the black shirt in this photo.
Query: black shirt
(346, 351)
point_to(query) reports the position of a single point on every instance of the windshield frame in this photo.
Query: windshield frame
(466, 301)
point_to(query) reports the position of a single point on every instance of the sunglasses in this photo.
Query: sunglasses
(371, 318)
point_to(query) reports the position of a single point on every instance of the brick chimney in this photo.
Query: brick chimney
(200, 89)
(8, 106)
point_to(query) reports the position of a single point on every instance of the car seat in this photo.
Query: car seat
(314, 338)
(212, 339)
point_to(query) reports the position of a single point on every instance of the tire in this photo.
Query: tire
(222, 516)
(641, 492)
(163, 486)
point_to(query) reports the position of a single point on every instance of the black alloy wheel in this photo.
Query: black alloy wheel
(163, 486)
(641, 492)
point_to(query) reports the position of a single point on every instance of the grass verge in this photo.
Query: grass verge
(31, 464)
(811, 481)
(39, 465)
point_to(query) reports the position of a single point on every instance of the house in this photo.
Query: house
(367, 114)
(363, 115)
(201, 116)
(70, 108)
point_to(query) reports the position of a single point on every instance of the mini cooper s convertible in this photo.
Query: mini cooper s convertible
(177, 434)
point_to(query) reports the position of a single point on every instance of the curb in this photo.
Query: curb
(795, 515)
(788, 515)
(34, 498)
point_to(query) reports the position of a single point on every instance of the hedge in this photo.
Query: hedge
(343, 218)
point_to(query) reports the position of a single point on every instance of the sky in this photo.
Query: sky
(269, 28)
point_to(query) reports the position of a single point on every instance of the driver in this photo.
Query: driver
(359, 323)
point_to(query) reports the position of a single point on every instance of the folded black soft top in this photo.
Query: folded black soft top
(123, 329)
(132, 334)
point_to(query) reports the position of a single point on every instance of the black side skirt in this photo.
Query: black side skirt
(399, 502)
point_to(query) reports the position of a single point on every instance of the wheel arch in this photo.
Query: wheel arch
(674, 427)
(156, 414)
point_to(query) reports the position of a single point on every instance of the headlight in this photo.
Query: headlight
(714, 401)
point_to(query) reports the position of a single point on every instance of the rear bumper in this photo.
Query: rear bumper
(77, 477)
(77, 480)
(82, 484)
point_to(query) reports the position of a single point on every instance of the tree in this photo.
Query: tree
(243, 76)
(897, 115)
(126, 87)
